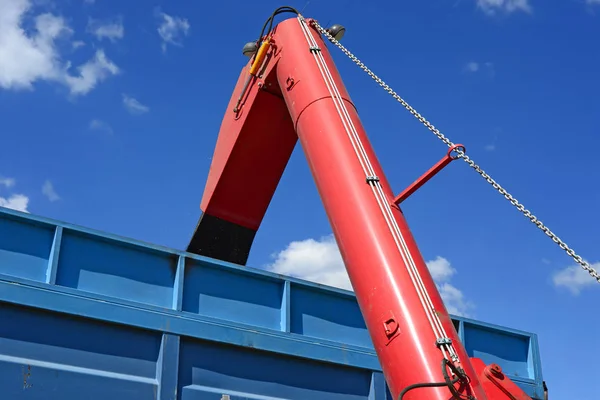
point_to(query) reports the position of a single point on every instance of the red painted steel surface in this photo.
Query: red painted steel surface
(497, 386)
(250, 156)
(423, 179)
(377, 270)
(375, 242)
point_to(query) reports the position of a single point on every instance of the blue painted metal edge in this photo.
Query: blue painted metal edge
(495, 327)
(210, 262)
(167, 368)
(54, 252)
(180, 324)
(165, 251)
(286, 308)
(178, 313)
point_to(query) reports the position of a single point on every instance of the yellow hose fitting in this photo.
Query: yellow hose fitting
(260, 57)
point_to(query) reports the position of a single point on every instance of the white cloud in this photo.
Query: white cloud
(442, 272)
(25, 59)
(171, 29)
(575, 278)
(29, 55)
(490, 147)
(14, 201)
(440, 269)
(508, 6)
(91, 73)
(320, 261)
(49, 192)
(8, 182)
(472, 66)
(134, 106)
(476, 67)
(17, 202)
(102, 126)
(591, 2)
(111, 30)
(314, 260)
(455, 300)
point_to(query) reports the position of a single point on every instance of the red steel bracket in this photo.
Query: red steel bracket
(497, 386)
(448, 158)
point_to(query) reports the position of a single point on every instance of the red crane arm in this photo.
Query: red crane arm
(252, 151)
(292, 90)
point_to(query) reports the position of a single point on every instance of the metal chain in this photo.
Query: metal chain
(461, 154)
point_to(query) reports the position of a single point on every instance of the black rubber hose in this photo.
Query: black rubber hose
(447, 382)
(270, 20)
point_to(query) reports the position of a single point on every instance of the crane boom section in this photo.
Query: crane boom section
(296, 93)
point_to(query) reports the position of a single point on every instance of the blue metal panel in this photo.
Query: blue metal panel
(201, 328)
(513, 351)
(207, 368)
(45, 355)
(116, 269)
(97, 316)
(232, 295)
(25, 248)
(325, 315)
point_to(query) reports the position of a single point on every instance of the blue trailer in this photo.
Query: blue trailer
(89, 315)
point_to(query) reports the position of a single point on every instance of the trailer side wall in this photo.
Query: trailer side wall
(92, 315)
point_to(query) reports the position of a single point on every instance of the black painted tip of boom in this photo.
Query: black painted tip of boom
(220, 239)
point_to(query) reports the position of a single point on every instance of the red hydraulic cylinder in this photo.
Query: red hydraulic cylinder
(404, 312)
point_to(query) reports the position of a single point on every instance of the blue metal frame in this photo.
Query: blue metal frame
(179, 298)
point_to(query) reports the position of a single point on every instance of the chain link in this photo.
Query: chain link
(461, 154)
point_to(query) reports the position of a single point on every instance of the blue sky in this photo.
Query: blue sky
(110, 115)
